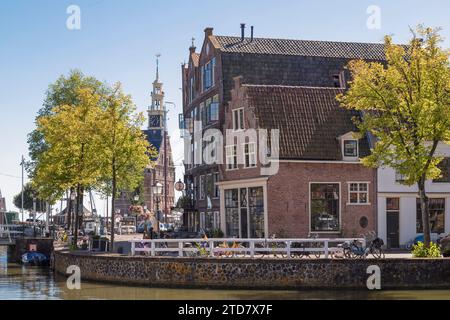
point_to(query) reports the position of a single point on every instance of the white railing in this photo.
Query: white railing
(240, 247)
(10, 231)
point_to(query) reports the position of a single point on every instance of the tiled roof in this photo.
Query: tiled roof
(347, 50)
(195, 58)
(309, 119)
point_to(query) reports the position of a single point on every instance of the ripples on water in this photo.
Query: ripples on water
(31, 283)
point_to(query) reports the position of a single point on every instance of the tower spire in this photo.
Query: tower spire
(157, 66)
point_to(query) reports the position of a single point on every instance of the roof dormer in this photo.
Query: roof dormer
(349, 143)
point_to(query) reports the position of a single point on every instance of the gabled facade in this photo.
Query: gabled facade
(208, 80)
(319, 185)
(399, 217)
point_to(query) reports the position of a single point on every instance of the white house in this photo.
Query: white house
(399, 219)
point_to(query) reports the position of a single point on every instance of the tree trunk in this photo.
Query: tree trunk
(81, 201)
(425, 212)
(69, 211)
(113, 206)
(77, 215)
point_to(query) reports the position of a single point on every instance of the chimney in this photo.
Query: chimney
(209, 31)
(242, 31)
(251, 34)
(238, 82)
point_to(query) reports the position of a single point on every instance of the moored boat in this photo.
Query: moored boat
(35, 259)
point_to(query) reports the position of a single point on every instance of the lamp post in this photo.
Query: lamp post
(117, 213)
(136, 200)
(157, 191)
(73, 196)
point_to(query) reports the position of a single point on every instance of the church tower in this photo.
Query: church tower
(157, 109)
(162, 170)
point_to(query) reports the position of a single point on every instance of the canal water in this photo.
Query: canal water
(33, 283)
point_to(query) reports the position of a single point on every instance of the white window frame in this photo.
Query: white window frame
(237, 116)
(202, 220)
(340, 207)
(251, 155)
(202, 187)
(399, 178)
(217, 220)
(232, 156)
(367, 192)
(212, 64)
(216, 195)
(357, 148)
(215, 103)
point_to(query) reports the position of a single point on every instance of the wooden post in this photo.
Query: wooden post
(288, 248)
(211, 248)
(180, 249)
(153, 248)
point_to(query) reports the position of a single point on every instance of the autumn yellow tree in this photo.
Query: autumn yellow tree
(124, 148)
(405, 105)
(71, 159)
(95, 142)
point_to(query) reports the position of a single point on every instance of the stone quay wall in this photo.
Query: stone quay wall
(233, 273)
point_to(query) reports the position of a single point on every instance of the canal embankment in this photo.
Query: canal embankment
(247, 273)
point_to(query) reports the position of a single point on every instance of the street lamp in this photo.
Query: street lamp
(136, 200)
(157, 190)
(73, 196)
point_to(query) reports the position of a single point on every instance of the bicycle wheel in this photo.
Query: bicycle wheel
(377, 253)
(317, 254)
(348, 253)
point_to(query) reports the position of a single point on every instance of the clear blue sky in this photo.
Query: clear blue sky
(119, 39)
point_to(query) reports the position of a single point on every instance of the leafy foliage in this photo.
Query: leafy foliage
(405, 107)
(28, 194)
(63, 92)
(406, 104)
(420, 250)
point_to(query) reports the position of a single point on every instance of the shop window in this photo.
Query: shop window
(325, 213)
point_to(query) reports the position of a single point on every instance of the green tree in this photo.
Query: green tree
(29, 193)
(125, 150)
(71, 159)
(63, 92)
(405, 105)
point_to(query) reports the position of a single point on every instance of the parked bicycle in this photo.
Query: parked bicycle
(355, 250)
(272, 248)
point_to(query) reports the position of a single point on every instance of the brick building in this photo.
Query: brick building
(207, 83)
(317, 184)
(156, 134)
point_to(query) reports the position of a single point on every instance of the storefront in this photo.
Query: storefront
(244, 208)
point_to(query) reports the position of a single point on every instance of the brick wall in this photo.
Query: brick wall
(288, 197)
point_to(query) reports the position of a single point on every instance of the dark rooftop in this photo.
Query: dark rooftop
(309, 119)
(347, 50)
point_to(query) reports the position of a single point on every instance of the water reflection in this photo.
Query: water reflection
(33, 283)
